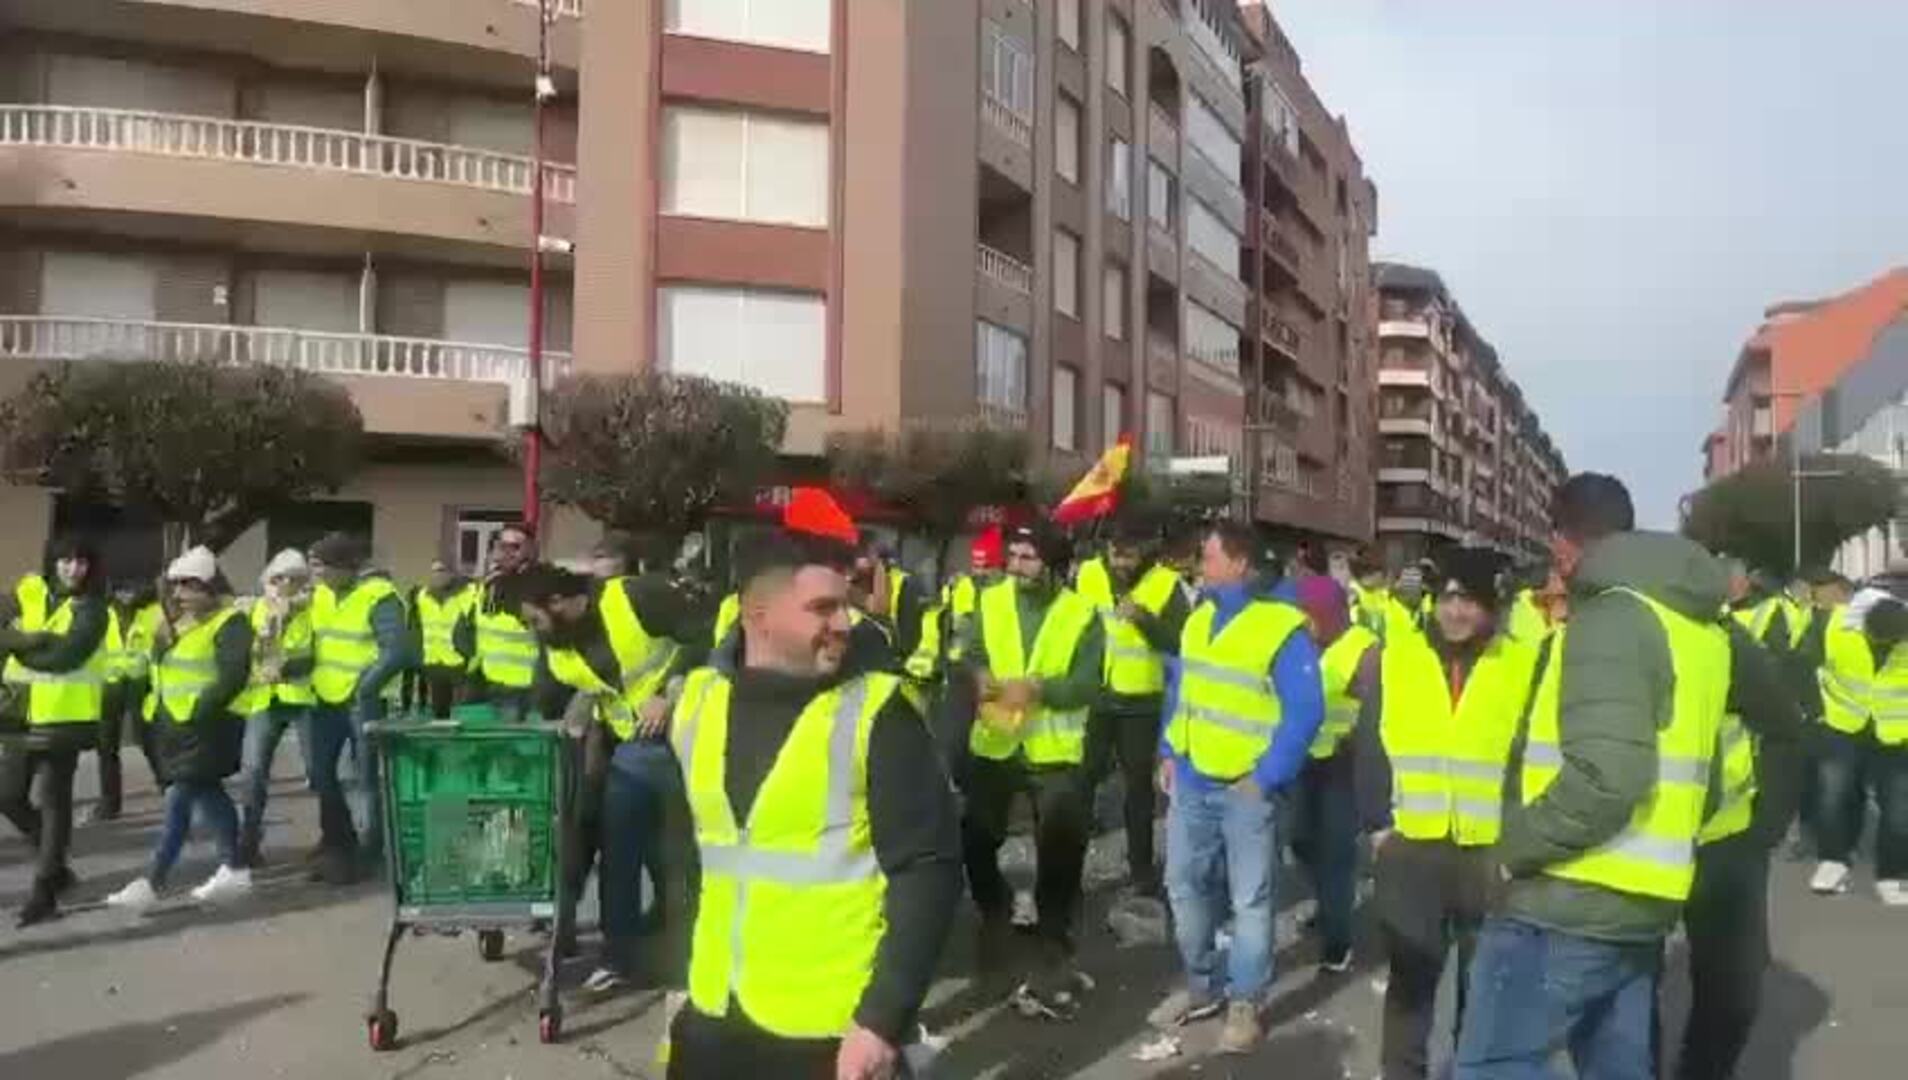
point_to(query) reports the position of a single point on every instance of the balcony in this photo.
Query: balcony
(432, 370)
(1272, 237)
(1416, 377)
(1414, 329)
(1271, 410)
(1162, 136)
(1001, 416)
(570, 8)
(1006, 271)
(1003, 292)
(1016, 128)
(1283, 335)
(1162, 362)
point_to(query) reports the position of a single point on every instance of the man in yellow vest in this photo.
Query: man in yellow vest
(1864, 743)
(508, 667)
(1037, 651)
(137, 610)
(1245, 703)
(1142, 610)
(280, 695)
(620, 644)
(1598, 850)
(953, 714)
(360, 644)
(439, 605)
(62, 645)
(197, 710)
(1438, 714)
(827, 837)
(1370, 593)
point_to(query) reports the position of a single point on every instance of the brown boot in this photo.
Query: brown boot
(1241, 1032)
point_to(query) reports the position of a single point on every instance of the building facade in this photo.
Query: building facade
(1865, 413)
(1463, 459)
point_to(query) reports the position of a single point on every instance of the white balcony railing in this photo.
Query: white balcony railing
(572, 8)
(1006, 271)
(58, 337)
(1016, 127)
(252, 142)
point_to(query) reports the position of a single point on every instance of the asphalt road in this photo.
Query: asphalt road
(276, 987)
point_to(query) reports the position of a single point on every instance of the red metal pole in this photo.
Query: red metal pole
(533, 432)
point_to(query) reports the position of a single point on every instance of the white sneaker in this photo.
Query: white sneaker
(224, 884)
(1893, 892)
(1830, 878)
(137, 897)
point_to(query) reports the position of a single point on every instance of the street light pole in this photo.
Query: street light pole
(533, 430)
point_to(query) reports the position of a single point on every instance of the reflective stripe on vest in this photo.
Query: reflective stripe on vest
(1226, 712)
(290, 639)
(67, 697)
(726, 617)
(343, 644)
(1856, 696)
(924, 664)
(1338, 669)
(1736, 800)
(437, 624)
(790, 905)
(184, 671)
(1655, 853)
(642, 662)
(1133, 666)
(1047, 736)
(1448, 764)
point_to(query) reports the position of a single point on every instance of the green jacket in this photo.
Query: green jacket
(1615, 695)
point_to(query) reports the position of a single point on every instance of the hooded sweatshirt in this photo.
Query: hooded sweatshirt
(1615, 696)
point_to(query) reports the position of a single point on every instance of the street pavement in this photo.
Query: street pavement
(276, 986)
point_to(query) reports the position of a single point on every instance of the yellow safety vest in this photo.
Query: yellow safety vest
(727, 616)
(924, 664)
(1448, 764)
(295, 642)
(63, 697)
(1401, 619)
(1368, 607)
(506, 649)
(344, 646)
(1048, 736)
(1132, 665)
(1758, 620)
(961, 598)
(1655, 854)
(1226, 712)
(1338, 668)
(184, 671)
(142, 634)
(1735, 810)
(1527, 622)
(642, 661)
(32, 602)
(791, 902)
(1854, 694)
(437, 625)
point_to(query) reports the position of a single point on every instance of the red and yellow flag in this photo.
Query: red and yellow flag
(1098, 492)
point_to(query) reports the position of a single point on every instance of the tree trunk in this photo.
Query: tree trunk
(174, 538)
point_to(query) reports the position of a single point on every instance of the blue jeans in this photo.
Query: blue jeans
(263, 732)
(643, 780)
(1205, 831)
(332, 727)
(214, 808)
(1327, 843)
(1535, 991)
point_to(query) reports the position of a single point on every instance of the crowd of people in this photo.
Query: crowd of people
(1547, 779)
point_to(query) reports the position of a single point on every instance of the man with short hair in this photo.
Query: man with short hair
(508, 667)
(1241, 712)
(827, 838)
(1599, 847)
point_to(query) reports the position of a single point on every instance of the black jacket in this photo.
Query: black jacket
(207, 746)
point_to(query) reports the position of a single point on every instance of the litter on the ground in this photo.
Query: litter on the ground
(1163, 1048)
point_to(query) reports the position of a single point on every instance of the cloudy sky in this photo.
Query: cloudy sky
(1614, 189)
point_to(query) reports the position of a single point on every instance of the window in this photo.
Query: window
(1214, 141)
(1066, 397)
(477, 532)
(745, 166)
(1007, 70)
(1210, 237)
(1066, 138)
(1211, 340)
(1000, 367)
(1067, 23)
(1159, 195)
(1113, 301)
(784, 24)
(1282, 119)
(1112, 414)
(768, 339)
(1119, 179)
(1116, 54)
(1066, 273)
(94, 286)
(1159, 425)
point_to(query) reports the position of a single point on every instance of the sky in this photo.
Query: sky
(1614, 190)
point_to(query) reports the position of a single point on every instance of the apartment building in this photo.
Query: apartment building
(1463, 458)
(340, 185)
(1310, 350)
(1865, 412)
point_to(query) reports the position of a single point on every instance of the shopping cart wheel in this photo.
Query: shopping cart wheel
(384, 1031)
(490, 944)
(549, 1026)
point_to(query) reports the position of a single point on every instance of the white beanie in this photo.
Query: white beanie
(198, 564)
(287, 563)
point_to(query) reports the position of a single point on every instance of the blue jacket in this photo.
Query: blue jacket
(1293, 678)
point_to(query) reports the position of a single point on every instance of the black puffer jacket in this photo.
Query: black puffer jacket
(207, 745)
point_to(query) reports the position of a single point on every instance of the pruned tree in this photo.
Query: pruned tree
(1749, 514)
(936, 474)
(209, 449)
(654, 453)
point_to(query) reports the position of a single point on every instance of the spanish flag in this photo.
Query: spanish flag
(1098, 492)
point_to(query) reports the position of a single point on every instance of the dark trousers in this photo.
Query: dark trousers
(647, 830)
(123, 704)
(47, 825)
(439, 687)
(1131, 735)
(1850, 766)
(1060, 840)
(1326, 841)
(1430, 896)
(725, 1047)
(1727, 921)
